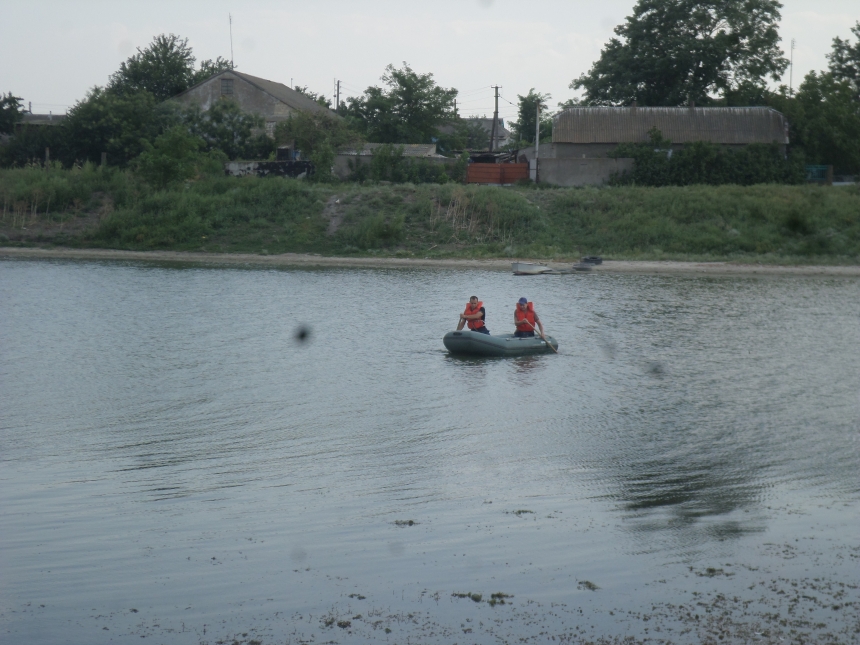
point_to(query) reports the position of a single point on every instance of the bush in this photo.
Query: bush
(701, 162)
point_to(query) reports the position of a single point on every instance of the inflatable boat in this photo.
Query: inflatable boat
(473, 343)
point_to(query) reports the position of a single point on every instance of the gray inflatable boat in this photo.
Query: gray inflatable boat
(472, 343)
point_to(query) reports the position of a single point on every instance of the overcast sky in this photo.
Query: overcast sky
(52, 52)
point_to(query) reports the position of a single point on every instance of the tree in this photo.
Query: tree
(113, 123)
(226, 127)
(11, 112)
(674, 51)
(844, 60)
(209, 68)
(318, 136)
(409, 109)
(824, 116)
(173, 157)
(524, 128)
(164, 69)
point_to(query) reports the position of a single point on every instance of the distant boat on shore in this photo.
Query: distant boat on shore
(529, 268)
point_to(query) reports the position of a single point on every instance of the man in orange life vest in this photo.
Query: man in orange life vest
(526, 319)
(474, 316)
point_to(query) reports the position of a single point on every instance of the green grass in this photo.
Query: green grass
(765, 223)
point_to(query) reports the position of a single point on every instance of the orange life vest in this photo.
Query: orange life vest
(528, 314)
(474, 324)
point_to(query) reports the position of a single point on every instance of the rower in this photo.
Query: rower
(474, 316)
(525, 318)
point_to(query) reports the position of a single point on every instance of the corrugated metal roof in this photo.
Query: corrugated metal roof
(726, 125)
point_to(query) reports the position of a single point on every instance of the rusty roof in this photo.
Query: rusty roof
(726, 125)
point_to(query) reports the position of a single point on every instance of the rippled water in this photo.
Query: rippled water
(176, 464)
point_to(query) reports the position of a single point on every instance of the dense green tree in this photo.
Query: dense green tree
(524, 128)
(113, 123)
(225, 127)
(844, 60)
(174, 156)
(318, 136)
(164, 69)
(824, 117)
(11, 112)
(670, 52)
(410, 107)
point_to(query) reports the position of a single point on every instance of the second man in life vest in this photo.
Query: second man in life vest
(474, 316)
(526, 319)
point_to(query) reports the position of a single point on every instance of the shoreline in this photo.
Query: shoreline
(499, 264)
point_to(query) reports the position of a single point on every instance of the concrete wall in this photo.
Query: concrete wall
(580, 172)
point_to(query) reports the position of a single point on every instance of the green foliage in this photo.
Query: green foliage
(209, 68)
(225, 127)
(765, 223)
(221, 213)
(844, 60)
(409, 109)
(388, 163)
(164, 69)
(54, 190)
(824, 113)
(824, 118)
(175, 156)
(702, 162)
(28, 145)
(673, 51)
(113, 123)
(524, 128)
(11, 112)
(318, 136)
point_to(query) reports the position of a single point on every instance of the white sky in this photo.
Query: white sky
(52, 52)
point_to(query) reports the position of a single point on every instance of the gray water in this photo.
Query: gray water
(176, 465)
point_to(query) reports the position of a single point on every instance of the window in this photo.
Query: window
(226, 87)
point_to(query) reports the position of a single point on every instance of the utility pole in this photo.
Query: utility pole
(455, 108)
(495, 120)
(537, 140)
(791, 73)
(337, 101)
(232, 66)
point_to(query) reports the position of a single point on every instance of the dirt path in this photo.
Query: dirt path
(311, 260)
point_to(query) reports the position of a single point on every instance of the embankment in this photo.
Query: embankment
(769, 224)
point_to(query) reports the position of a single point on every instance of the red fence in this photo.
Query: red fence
(496, 173)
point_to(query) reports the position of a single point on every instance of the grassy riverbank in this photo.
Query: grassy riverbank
(110, 209)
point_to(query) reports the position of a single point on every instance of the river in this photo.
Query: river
(178, 464)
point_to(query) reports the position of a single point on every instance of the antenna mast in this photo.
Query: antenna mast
(232, 66)
(791, 73)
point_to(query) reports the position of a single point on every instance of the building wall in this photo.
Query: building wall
(580, 172)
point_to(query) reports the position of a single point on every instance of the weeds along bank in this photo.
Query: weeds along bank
(113, 209)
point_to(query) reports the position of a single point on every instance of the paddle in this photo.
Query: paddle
(543, 337)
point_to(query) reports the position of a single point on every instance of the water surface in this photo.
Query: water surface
(177, 465)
